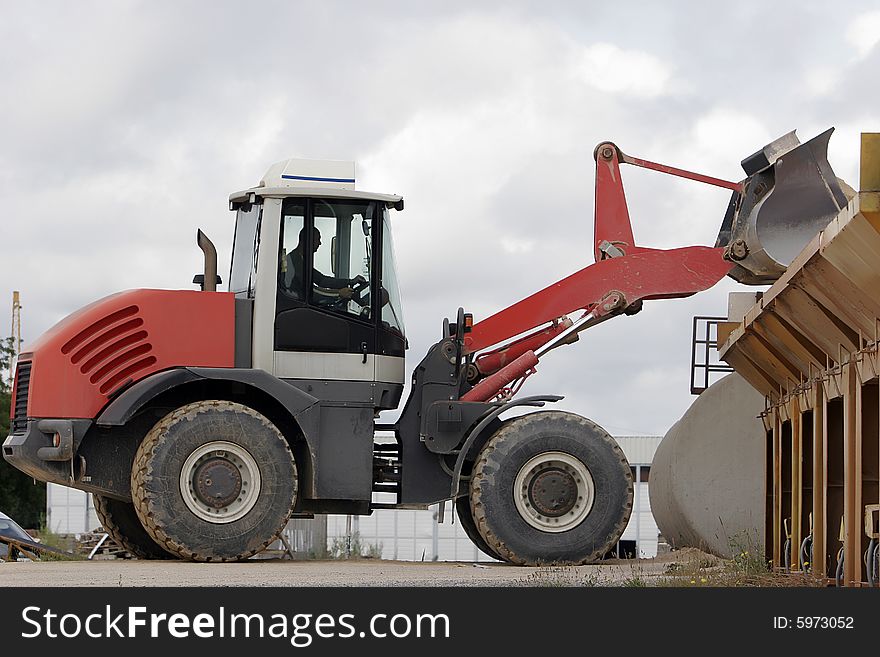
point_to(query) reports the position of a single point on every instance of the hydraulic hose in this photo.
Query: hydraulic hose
(806, 554)
(876, 565)
(871, 562)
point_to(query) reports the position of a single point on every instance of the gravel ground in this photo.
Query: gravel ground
(118, 572)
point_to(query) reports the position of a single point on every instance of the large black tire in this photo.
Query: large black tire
(120, 521)
(214, 481)
(551, 488)
(466, 518)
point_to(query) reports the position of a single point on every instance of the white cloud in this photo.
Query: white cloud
(821, 80)
(517, 246)
(863, 32)
(724, 136)
(614, 70)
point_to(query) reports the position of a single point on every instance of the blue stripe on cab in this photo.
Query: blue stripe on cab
(316, 179)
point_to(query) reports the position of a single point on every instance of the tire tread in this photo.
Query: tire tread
(490, 459)
(142, 474)
(130, 544)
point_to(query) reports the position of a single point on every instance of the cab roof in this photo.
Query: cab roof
(298, 177)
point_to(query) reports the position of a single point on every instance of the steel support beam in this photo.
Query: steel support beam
(820, 483)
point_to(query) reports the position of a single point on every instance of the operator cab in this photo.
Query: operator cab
(315, 256)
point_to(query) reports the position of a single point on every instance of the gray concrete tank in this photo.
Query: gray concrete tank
(707, 477)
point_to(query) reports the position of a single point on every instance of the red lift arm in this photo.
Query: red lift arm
(623, 275)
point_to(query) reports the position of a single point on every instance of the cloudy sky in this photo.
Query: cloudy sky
(125, 125)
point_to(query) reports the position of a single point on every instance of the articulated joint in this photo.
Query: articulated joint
(611, 302)
(606, 150)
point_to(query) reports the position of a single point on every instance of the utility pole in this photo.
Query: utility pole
(15, 334)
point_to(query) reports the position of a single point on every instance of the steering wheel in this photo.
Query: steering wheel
(359, 287)
(357, 290)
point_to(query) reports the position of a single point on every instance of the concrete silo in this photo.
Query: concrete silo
(707, 480)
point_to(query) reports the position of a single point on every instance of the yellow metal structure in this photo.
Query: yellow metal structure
(811, 345)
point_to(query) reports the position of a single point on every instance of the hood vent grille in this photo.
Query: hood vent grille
(111, 350)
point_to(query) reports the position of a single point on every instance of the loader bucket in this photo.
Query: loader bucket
(789, 195)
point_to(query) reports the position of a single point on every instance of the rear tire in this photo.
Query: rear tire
(214, 481)
(551, 488)
(466, 518)
(121, 522)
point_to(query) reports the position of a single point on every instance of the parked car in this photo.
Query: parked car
(11, 529)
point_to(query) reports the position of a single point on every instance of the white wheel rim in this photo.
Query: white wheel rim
(233, 460)
(568, 475)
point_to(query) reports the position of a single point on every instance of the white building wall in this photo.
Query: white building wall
(639, 450)
(642, 527)
(69, 511)
(409, 535)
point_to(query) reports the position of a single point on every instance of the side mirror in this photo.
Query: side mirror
(333, 255)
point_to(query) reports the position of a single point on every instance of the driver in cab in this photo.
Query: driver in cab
(326, 288)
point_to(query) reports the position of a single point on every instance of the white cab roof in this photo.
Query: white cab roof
(298, 177)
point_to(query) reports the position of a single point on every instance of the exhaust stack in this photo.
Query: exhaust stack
(209, 279)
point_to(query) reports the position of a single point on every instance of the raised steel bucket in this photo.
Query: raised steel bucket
(790, 194)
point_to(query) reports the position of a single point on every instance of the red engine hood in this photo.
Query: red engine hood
(82, 361)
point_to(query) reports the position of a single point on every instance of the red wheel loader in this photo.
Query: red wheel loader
(203, 420)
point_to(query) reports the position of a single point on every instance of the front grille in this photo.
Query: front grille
(22, 383)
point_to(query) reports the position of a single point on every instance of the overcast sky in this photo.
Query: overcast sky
(124, 126)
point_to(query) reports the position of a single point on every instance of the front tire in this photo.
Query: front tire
(214, 481)
(551, 488)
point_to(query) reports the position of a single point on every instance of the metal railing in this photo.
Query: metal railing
(704, 353)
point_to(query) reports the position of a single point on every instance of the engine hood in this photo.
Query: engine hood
(79, 364)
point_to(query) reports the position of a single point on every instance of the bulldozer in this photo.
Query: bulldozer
(203, 420)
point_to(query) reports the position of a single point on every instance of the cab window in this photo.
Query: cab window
(245, 245)
(329, 265)
(392, 308)
(290, 269)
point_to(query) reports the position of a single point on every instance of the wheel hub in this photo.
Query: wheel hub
(554, 492)
(217, 482)
(220, 482)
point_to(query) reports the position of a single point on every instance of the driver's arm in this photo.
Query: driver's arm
(329, 282)
(341, 285)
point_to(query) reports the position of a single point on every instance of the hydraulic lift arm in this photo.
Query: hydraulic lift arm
(623, 276)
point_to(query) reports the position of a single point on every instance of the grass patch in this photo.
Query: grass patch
(560, 577)
(65, 543)
(747, 568)
(353, 548)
